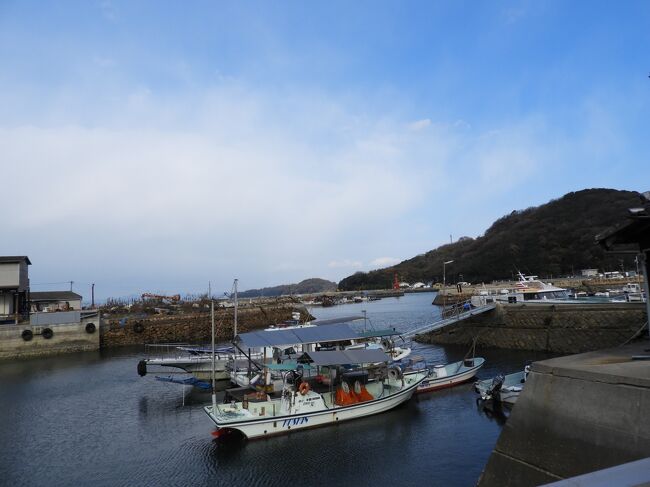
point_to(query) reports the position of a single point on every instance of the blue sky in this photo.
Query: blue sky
(154, 146)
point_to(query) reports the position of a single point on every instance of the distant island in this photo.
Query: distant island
(553, 239)
(308, 286)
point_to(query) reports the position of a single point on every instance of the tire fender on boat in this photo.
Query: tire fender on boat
(27, 335)
(47, 333)
(90, 328)
(138, 327)
(142, 368)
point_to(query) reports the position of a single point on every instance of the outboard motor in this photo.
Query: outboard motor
(495, 387)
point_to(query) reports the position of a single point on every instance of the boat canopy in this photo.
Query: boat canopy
(345, 357)
(291, 336)
(388, 332)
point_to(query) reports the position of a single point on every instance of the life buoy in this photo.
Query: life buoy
(394, 372)
(90, 328)
(27, 335)
(304, 388)
(138, 327)
(47, 333)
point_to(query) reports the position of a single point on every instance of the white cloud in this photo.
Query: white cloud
(384, 262)
(345, 264)
(419, 124)
(234, 182)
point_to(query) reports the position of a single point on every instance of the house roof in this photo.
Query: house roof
(634, 231)
(15, 258)
(54, 296)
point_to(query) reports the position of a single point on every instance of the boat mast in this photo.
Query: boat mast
(214, 394)
(235, 320)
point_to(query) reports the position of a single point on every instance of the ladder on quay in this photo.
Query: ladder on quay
(450, 320)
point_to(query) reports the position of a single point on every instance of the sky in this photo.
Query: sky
(157, 146)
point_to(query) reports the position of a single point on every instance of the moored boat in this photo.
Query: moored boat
(449, 375)
(503, 388)
(310, 403)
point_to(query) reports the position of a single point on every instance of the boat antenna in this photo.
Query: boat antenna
(214, 394)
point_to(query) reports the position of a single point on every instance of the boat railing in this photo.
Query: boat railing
(165, 350)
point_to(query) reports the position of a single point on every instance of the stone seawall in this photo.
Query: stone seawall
(557, 328)
(193, 327)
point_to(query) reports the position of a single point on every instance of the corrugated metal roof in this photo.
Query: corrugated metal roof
(345, 357)
(54, 296)
(312, 334)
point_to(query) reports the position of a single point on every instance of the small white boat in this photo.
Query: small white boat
(309, 403)
(193, 360)
(449, 375)
(504, 389)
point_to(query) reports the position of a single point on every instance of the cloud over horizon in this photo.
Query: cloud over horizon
(146, 167)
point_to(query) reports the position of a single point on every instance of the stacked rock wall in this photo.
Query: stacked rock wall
(193, 327)
(557, 328)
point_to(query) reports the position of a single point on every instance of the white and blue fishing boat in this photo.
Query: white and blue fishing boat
(502, 388)
(442, 376)
(355, 387)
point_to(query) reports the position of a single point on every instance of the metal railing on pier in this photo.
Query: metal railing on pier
(459, 313)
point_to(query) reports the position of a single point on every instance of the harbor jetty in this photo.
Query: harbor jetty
(555, 328)
(577, 414)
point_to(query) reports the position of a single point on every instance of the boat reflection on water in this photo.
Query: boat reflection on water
(493, 410)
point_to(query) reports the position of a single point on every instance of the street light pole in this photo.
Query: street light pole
(444, 283)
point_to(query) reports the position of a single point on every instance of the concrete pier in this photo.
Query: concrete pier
(576, 414)
(68, 332)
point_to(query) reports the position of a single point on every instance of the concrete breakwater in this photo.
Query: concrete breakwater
(576, 414)
(50, 333)
(193, 327)
(556, 328)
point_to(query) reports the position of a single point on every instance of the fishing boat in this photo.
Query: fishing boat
(307, 403)
(527, 289)
(279, 346)
(449, 375)
(503, 388)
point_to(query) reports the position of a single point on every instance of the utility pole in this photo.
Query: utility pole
(209, 290)
(71, 282)
(92, 294)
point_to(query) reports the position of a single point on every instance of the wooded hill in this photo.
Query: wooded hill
(553, 239)
(308, 286)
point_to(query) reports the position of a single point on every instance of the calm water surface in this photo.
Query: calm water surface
(89, 419)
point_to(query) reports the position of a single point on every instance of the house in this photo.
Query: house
(14, 288)
(55, 301)
(589, 272)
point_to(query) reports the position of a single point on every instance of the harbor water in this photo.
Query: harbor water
(89, 419)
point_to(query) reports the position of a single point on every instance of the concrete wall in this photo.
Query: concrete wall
(560, 328)
(576, 414)
(67, 337)
(192, 327)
